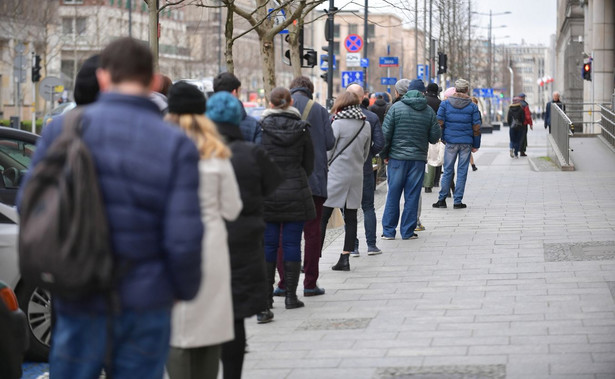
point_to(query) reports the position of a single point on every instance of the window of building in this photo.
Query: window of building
(67, 25)
(371, 31)
(67, 2)
(336, 31)
(80, 25)
(336, 48)
(353, 29)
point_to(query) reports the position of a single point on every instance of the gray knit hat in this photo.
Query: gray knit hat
(462, 85)
(402, 86)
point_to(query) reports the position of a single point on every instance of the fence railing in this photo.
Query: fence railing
(607, 124)
(561, 130)
(584, 116)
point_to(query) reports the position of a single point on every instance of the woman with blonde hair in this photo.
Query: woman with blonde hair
(345, 179)
(199, 327)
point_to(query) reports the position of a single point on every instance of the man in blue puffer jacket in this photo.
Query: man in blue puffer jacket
(148, 176)
(460, 121)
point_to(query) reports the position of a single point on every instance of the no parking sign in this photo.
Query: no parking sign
(353, 43)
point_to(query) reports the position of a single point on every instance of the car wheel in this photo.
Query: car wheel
(35, 302)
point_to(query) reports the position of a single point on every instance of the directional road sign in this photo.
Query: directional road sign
(278, 18)
(324, 63)
(353, 43)
(349, 77)
(389, 62)
(49, 87)
(353, 59)
(388, 81)
(364, 62)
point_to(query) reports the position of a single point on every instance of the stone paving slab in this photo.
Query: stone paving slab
(477, 289)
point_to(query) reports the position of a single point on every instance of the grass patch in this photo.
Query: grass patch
(548, 159)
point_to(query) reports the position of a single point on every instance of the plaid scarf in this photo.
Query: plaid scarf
(351, 111)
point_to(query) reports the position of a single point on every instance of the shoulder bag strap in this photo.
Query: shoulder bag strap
(348, 144)
(307, 109)
(72, 122)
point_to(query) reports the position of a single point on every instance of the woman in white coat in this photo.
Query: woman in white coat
(345, 179)
(200, 326)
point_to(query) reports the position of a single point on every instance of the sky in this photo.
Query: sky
(531, 20)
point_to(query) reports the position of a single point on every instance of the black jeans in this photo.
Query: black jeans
(233, 352)
(350, 219)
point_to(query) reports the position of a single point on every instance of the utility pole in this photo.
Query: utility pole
(431, 48)
(365, 38)
(416, 38)
(489, 71)
(470, 41)
(425, 37)
(219, 40)
(330, 52)
(130, 18)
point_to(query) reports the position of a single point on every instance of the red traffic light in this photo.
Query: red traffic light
(587, 67)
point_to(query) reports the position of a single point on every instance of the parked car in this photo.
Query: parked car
(60, 109)
(16, 150)
(13, 329)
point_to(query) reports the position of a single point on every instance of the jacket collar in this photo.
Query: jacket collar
(130, 100)
(304, 91)
(230, 132)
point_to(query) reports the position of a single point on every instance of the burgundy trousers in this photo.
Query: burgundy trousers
(312, 249)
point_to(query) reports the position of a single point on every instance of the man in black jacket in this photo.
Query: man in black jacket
(301, 89)
(249, 127)
(557, 102)
(369, 184)
(379, 107)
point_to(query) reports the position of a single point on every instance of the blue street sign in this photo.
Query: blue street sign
(486, 92)
(388, 81)
(422, 72)
(364, 62)
(279, 18)
(476, 92)
(349, 77)
(389, 62)
(353, 43)
(324, 63)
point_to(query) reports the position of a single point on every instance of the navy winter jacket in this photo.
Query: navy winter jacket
(377, 139)
(460, 120)
(322, 139)
(149, 178)
(250, 129)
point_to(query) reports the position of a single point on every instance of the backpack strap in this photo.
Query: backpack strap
(307, 109)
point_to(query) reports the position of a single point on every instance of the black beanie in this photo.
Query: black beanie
(86, 84)
(432, 88)
(184, 98)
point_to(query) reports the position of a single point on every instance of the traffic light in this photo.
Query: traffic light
(442, 66)
(310, 57)
(36, 69)
(587, 70)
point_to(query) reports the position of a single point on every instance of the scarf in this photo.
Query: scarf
(351, 111)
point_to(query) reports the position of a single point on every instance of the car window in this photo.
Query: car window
(15, 158)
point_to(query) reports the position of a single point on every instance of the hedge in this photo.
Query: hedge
(25, 124)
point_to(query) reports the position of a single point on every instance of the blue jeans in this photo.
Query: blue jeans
(452, 152)
(406, 176)
(140, 344)
(516, 135)
(369, 212)
(291, 240)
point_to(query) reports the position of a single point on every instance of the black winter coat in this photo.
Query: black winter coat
(433, 102)
(379, 108)
(287, 140)
(257, 176)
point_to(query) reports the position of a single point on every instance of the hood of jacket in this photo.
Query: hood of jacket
(459, 100)
(415, 99)
(283, 127)
(380, 102)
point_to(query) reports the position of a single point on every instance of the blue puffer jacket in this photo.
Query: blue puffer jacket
(460, 120)
(148, 174)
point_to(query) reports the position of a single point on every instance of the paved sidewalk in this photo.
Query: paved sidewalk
(518, 285)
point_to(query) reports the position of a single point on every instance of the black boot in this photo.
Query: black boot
(291, 279)
(342, 264)
(266, 315)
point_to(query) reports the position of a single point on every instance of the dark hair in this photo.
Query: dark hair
(302, 82)
(345, 99)
(225, 81)
(128, 59)
(280, 98)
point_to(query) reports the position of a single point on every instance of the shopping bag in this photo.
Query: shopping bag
(336, 220)
(435, 154)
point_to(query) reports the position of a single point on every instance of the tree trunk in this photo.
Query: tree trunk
(228, 35)
(268, 57)
(153, 30)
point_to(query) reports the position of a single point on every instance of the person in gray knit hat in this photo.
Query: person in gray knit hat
(401, 87)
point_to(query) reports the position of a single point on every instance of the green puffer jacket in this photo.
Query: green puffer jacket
(408, 128)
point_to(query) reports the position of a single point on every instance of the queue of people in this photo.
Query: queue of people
(205, 205)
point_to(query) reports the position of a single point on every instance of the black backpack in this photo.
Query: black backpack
(64, 235)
